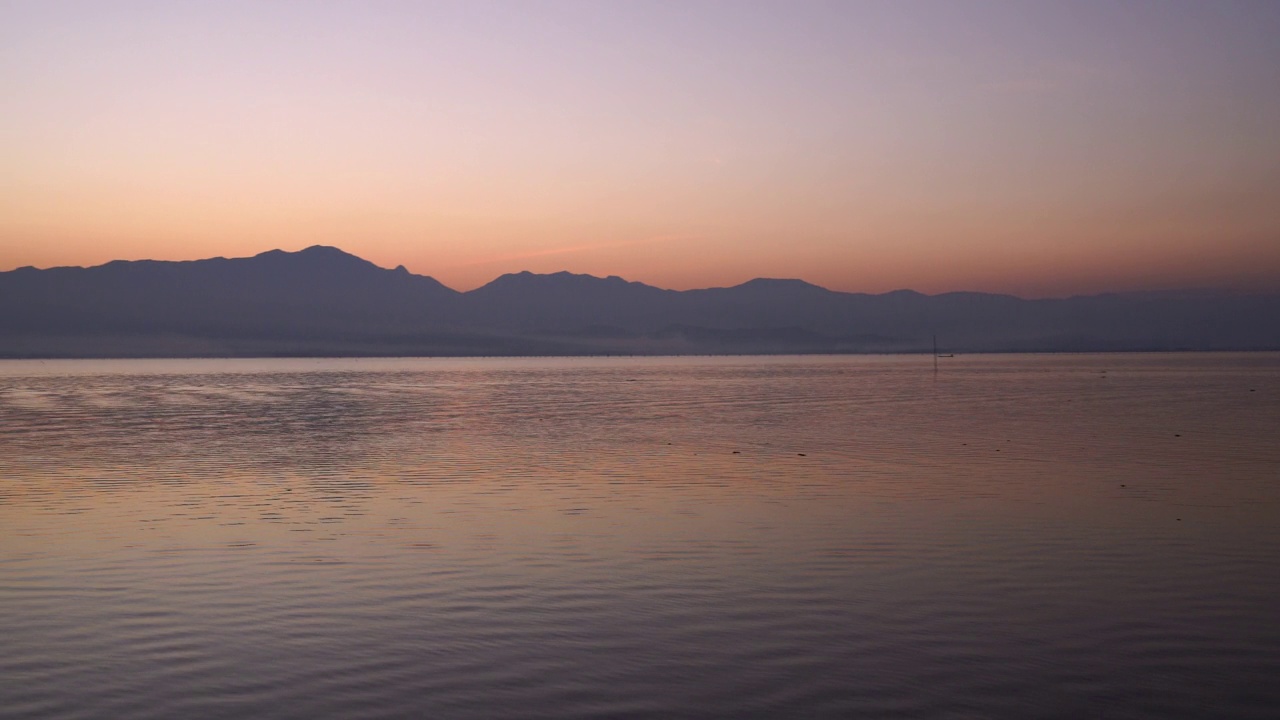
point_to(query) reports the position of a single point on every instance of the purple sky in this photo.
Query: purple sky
(1035, 148)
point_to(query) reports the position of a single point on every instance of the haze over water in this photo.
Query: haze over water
(1016, 536)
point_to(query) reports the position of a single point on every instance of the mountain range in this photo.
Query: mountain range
(322, 301)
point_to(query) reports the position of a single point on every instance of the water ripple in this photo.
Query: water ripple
(1050, 536)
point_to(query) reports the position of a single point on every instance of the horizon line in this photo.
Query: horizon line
(401, 267)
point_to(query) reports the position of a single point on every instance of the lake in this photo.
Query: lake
(1012, 536)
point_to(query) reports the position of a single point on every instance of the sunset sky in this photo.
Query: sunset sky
(1041, 149)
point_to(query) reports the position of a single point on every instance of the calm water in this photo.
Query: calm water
(1017, 536)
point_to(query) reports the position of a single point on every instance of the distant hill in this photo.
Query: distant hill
(323, 301)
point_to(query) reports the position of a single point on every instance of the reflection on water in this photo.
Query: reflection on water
(1051, 536)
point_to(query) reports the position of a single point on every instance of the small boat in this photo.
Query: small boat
(935, 349)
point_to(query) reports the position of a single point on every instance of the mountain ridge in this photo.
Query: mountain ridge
(323, 300)
(331, 251)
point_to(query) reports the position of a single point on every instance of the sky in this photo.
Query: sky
(1040, 149)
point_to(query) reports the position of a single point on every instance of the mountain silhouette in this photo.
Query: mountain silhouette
(323, 301)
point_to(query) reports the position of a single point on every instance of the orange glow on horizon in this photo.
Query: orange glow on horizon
(860, 149)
